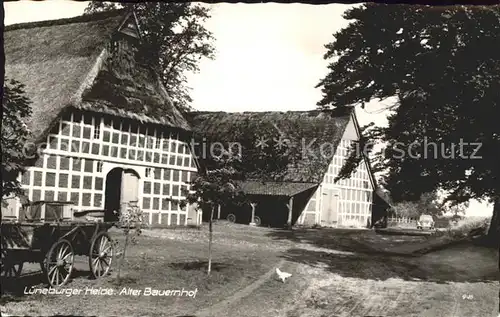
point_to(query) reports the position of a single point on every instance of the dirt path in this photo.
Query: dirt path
(455, 282)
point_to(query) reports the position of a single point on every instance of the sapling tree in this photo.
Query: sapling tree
(215, 187)
(130, 221)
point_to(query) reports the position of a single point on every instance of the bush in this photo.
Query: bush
(470, 227)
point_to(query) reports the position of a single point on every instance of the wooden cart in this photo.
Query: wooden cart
(53, 241)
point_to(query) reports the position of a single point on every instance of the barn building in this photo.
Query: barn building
(305, 192)
(105, 129)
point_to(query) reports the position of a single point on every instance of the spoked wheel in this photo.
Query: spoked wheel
(59, 263)
(257, 221)
(8, 267)
(231, 218)
(101, 255)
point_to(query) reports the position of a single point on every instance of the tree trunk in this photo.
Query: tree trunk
(122, 258)
(494, 232)
(494, 236)
(210, 241)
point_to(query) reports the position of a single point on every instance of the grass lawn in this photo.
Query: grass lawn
(156, 263)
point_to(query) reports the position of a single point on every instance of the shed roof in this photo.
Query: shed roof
(315, 134)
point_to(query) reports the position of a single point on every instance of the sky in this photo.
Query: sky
(269, 57)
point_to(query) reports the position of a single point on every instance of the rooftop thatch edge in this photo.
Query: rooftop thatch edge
(78, 19)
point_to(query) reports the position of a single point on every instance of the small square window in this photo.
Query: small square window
(37, 178)
(156, 158)
(123, 152)
(157, 173)
(87, 182)
(116, 138)
(37, 195)
(62, 196)
(75, 146)
(97, 200)
(147, 187)
(156, 203)
(89, 166)
(50, 179)
(164, 158)
(158, 143)
(49, 195)
(63, 180)
(166, 189)
(140, 155)
(146, 203)
(114, 151)
(75, 181)
(133, 140)
(64, 163)
(65, 128)
(86, 199)
(75, 198)
(131, 154)
(95, 148)
(98, 183)
(105, 150)
(156, 190)
(124, 139)
(165, 204)
(106, 136)
(87, 132)
(77, 130)
(175, 177)
(175, 190)
(85, 147)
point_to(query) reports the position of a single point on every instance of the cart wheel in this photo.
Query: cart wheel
(231, 218)
(9, 268)
(59, 263)
(257, 221)
(101, 255)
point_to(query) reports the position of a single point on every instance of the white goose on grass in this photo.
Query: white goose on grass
(283, 275)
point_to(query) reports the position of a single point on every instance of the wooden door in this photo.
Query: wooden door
(129, 188)
(329, 208)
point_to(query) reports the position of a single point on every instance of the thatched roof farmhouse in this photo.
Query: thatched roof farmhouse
(112, 134)
(300, 190)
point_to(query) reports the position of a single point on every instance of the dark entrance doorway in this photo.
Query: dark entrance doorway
(113, 194)
(122, 188)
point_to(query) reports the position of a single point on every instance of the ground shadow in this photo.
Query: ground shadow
(198, 265)
(383, 267)
(336, 239)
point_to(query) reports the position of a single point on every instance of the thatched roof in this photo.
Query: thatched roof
(314, 136)
(57, 60)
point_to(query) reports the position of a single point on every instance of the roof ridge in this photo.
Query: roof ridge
(97, 16)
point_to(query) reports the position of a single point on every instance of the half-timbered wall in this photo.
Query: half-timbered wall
(84, 146)
(355, 193)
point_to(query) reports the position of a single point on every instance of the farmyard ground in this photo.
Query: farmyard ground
(335, 273)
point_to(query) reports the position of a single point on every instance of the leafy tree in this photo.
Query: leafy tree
(426, 205)
(16, 108)
(175, 40)
(215, 187)
(440, 65)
